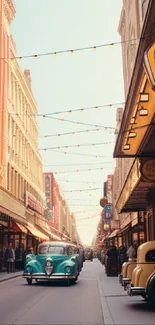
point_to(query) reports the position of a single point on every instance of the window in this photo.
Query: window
(150, 256)
(52, 250)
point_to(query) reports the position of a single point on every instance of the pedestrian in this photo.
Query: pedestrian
(112, 252)
(131, 252)
(10, 258)
(122, 254)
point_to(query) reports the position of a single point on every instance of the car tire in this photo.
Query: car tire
(74, 280)
(151, 295)
(29, 281)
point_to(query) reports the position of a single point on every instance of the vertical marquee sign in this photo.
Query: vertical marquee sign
(48, 177)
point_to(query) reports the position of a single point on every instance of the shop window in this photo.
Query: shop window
(141, 238)
(135, 236)
(150, 256)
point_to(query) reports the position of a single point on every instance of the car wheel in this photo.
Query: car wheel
(29, 281)
(151, 295)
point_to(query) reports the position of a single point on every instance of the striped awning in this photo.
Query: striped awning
(35, 232)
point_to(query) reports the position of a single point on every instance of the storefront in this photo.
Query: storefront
(136, 137)
(12, 224)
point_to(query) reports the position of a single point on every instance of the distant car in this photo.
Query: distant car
(88, 254)
(54, 261)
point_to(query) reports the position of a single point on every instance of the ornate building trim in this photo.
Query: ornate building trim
(9, 10)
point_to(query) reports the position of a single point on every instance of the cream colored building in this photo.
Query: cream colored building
(24, 163)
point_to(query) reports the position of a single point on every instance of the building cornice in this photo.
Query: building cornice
(121, 21)
(9, 10)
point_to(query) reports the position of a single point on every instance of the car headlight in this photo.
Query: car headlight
(68, 269)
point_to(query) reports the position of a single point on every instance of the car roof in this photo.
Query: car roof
(57, 243)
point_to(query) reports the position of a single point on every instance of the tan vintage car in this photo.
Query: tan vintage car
(126, 272)
(143, 275)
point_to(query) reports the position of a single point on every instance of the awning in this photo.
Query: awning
(114, 233)
(49, 233)
(35, 232)
(22, 228)
(125, 229)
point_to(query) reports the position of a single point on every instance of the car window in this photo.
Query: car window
(43, 250)
(150, 256)
(56, 250)
(70, 252)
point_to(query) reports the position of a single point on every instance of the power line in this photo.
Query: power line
(76, 49)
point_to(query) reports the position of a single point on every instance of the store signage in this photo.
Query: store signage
(103, 202)
(108, 212)
(30, 201)
(49, 213)
(148, 170)
(132, 181)
(109, 189)
(149, 64)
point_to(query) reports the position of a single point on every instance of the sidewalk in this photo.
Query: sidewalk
(4, 276)
(118, 308)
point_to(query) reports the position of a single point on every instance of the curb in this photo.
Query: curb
(107, 317)
(13, 277)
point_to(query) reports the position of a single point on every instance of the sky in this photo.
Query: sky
(71, 81)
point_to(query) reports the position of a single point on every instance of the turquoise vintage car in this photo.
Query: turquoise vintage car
(54, 261)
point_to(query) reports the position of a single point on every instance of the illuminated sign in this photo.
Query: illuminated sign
(49, 213)
(109, 189)
(132, 181)
(149, 64)
(108, 212)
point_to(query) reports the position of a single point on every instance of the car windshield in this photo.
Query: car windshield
(49, 249)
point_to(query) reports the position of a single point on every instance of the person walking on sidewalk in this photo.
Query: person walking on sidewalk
(131, 252)
(10, 258)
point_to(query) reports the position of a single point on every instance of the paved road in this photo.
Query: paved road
(80, 304)
(47, 304)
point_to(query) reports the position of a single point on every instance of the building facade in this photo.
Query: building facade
(132, 227)
(22, 195)
(137, 193)
(57, 211)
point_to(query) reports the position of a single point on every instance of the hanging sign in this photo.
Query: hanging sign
(148, 170)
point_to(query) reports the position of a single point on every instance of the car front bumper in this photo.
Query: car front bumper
(135, 291)
(125, 282)
(44, 276)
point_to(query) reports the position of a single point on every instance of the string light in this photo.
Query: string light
(81, 190)
(86, 164)
(71, 111)
(82, 123)
(79, 154)
(79, 145)
(94, 47)
(81, 182)
(81, 170)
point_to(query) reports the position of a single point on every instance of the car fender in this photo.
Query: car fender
(61, 267)
(34, 266)
(150, 284)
